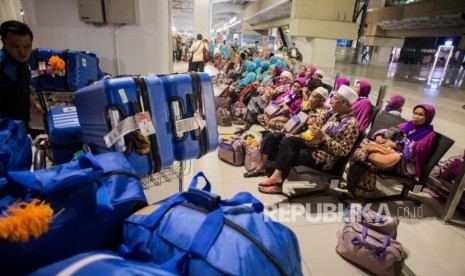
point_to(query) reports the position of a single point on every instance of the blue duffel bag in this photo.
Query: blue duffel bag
(102, 262)
(204, 235)
(15, 146)
(90, 198)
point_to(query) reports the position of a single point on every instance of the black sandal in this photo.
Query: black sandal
(254, 174)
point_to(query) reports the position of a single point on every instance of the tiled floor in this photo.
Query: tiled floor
(433, 248)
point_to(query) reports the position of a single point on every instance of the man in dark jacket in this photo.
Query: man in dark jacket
(15, 94)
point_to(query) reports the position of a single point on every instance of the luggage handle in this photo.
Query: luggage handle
(195, 181)
(381, 249)
(241, 198)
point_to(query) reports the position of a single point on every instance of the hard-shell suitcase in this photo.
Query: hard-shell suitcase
(192, 108)
(81, 69)
(111, 104)
(64, 133)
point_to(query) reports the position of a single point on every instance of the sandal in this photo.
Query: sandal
(274, 190)
(269, 183)
(254, 174)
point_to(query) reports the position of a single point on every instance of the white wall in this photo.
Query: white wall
(9, 10)
(142, 48)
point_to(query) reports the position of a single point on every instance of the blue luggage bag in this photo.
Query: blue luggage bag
(206, 235)
(188, 93)
(90, 197)
(81, 70)
(101, 262)
(104, 104)
(64, 133)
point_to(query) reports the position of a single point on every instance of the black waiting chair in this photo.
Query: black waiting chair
(384, 120)
(441, 146)
(332, 177)
(374, 113)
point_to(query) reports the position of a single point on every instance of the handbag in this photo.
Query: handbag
(373, 251)
(15, 146)
(386, 225)
(206, 55)
(272, 110)
(296, 123)
(380, 156)
(89, 197)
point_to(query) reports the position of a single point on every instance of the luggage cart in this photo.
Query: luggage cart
(42, 144)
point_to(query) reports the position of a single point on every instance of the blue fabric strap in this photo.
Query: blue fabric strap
(207, 233)
(194, 182)
(152, 220)
(244, 198)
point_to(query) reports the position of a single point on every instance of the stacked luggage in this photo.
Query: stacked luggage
(65, 133)
(63, 70)
(176, 113)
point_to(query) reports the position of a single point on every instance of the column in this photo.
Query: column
(202, 18)
(316, 25)
(320, 52)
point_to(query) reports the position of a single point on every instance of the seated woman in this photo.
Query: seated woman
(362, 107)
(290, 103)
(414, 151)
(395, 104)
(301, 76)
(258, 104)
(331, 142)
(318, 114)
(250, 75)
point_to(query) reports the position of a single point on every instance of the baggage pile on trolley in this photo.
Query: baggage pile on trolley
(88, 212)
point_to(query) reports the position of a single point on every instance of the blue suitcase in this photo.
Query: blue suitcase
(104, 104)
(64, 133)
(186, 93)
(81, 70)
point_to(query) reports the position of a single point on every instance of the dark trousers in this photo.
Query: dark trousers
(294, 151)
(197, 66)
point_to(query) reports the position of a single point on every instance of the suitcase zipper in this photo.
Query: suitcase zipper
(155, 158)
(244, 233)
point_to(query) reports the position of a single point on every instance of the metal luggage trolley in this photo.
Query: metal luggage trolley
(49, 100)
(52, 99)
(168, 175)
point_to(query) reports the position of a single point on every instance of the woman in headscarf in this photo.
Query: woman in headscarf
(362, 107)
(268, 76)
(264, 71)
(395, 104)
(290, 103)
(301, 76)
(250, 75)
(414, 148)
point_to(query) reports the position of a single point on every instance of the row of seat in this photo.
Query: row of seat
(335, 176)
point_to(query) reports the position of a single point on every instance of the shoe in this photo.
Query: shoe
(254, 174)
(270, 182)
(273, 190)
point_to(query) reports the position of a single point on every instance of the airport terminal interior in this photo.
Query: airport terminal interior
(412, 48)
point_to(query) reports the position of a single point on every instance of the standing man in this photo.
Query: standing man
(15, 95)
(196, 52)
(295, 56)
